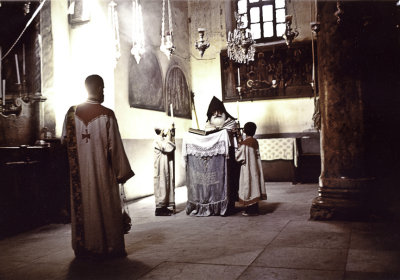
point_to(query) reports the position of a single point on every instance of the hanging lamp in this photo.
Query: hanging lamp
(138, 48)
(167, 43)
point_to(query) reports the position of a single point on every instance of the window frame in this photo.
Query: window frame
(260, 4)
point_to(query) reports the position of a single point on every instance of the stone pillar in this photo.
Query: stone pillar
(47, 67)
(344, 181)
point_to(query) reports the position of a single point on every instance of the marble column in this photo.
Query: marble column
(344, 183)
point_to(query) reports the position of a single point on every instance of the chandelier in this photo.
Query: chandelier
(167, 44)
(240, 43)
(137, 31)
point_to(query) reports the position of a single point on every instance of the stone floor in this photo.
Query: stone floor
(281, 243)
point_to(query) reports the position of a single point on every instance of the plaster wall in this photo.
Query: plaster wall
(271, 116)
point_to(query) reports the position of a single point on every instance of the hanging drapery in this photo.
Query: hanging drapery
(113, 17)
(138, 48)
(167, 44)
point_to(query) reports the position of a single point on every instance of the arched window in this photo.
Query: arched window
(265, 18)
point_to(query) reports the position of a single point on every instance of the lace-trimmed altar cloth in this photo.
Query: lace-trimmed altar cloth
(206, 173)
(216, 143)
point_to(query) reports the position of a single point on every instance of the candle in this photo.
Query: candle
(4, 90)
(23, 59)
(172, 112)
(316, 11)
(238, 76)
(17, 69)
(237, 105)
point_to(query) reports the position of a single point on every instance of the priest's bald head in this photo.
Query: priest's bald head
(95, 87)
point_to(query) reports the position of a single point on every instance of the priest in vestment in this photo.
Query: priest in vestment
(219, 118)
(98, 164)
(164, 190)
(251, 184)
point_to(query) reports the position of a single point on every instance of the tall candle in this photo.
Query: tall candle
(4, 90)
(237, 105)
(172, 112)
(17, 69)
(316, 11)
(238, 76)
(23, 59)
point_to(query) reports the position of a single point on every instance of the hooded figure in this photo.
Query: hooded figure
(218, 117)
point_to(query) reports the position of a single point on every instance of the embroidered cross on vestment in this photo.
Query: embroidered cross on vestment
(87, 136)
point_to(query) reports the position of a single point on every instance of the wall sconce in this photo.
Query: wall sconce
(201, 45)
(289, 34)
(315, 27)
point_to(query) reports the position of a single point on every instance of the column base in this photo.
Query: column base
(342, 199)
(335, 209)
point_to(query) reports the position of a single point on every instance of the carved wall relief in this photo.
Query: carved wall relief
(277, 72)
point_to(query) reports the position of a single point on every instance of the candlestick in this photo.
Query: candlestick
(17, 69)
(4, 90)
(238, 76)
(239, 92)
(172, 112)
(237, 108)
(23, 59)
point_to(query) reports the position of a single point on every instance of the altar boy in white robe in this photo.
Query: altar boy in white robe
(98, 164)
(164, 189)
(251, 183)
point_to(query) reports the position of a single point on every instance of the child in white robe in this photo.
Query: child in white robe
(251, 183)
(164, 190)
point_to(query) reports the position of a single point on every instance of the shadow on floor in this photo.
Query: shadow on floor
(264, 208)
(181, 207)
(268, 208)
(122, 268)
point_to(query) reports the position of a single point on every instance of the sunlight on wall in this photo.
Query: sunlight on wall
(87, 50)
(275, 116)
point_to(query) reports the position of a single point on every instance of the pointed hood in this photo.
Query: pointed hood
(217, 105)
